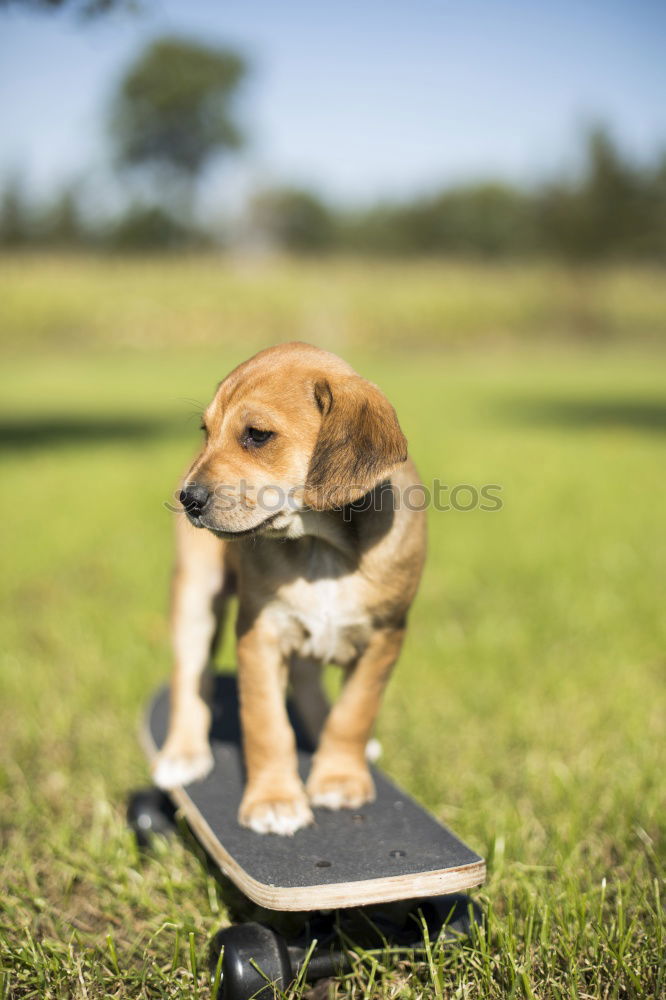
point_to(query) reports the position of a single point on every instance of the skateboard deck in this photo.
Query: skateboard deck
(389, 849)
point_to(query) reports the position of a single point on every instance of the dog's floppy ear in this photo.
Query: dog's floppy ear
(359, 442)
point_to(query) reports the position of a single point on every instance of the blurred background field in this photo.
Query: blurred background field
(69, 303)
(517, 321)
(528, 707)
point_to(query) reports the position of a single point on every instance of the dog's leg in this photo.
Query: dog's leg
(340, 775)
(308, 695)
(197, 608)
(312, 703)
(274, 799)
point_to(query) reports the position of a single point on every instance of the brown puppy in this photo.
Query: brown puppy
(301, 487)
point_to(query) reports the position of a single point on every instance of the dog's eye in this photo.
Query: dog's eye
(254, 438)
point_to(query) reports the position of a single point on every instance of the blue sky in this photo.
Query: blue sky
(362, 100)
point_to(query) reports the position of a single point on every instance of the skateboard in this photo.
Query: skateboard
(387, 871)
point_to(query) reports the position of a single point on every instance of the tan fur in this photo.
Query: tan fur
(318, 581)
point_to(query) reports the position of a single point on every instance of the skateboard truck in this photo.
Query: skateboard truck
(250, 959)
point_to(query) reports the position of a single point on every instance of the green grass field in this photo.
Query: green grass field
(528, 707)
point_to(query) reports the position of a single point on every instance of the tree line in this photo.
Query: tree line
(613, 209)
(175, 112)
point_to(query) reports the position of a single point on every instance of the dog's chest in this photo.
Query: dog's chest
(321, 614)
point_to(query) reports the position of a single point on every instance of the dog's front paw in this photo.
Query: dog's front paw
(174, 769)
(340, 785)
(272, 812)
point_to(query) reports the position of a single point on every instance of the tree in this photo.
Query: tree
(149, 227)
(293, 219)
(15, 216)
(607, 213)
(174, 111)
(61, 224)
(485, 219)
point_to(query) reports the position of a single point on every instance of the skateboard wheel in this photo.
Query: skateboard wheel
(150, 812)
(249, 948)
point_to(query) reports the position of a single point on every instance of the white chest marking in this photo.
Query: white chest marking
(322, 618)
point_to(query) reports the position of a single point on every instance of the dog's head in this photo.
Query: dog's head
(293, 428)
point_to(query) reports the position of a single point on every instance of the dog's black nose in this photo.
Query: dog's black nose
(194, 498)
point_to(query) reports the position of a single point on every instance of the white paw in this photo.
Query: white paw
(283, 818)
(348, 790)
(177, 770)
(373, 750)
(332, 798)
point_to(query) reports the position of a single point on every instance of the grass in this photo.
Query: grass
(143, 304)
(528, 708)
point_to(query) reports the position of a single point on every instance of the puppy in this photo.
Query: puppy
(299, 502)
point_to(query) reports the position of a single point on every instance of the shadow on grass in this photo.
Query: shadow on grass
(63, 430)
(582, 414)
